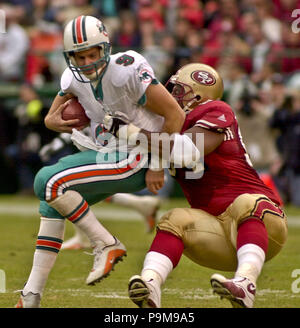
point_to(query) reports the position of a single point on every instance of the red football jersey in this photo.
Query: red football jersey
(228, 171)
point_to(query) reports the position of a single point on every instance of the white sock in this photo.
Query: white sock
(80, 235)
(51, 230)
(73, 207)
(251, 259)
(95, 231)
(156, 266)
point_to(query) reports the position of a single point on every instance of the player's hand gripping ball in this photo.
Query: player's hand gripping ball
(74, 110)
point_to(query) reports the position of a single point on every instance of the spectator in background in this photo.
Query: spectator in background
(264, 78)
(42, 12)
(225, 43)
(158, 58)
(237, 85)
(13, 48)
(152, 10)
(109, 10)
(271, 26)
(31, 134)
(147, 31)
(286, 120)
(181, 30)
(260, 46)
(253, 115)
(74, 9)
(278, 91)
(195, 44)
(45, 43)
(289, 50)
(128, 35)
(192, 11)
(168, 46)
(22, 9)
(248, 18)
(228, 10)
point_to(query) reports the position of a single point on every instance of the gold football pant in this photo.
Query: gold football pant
(211, 240)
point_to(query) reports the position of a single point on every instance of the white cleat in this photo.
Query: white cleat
(239, 291)
(148, 206)
(145, 294)
(30, 300)
(75, 243)
(105, 259)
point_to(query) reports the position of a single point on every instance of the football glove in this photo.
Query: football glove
(113, 124)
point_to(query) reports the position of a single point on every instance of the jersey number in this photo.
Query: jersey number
(125, 60)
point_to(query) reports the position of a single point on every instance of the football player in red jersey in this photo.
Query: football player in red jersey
(235, 222)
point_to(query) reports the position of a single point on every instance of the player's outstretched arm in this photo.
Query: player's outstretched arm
(167, 143)
(160, 101)
(53, 119)
(212, 140)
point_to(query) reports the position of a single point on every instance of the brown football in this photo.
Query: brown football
(74, 110)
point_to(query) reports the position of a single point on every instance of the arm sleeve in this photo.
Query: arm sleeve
(66, 82)
(216, 119)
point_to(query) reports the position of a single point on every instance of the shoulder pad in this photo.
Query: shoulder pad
(66, 79)
(216, 115)
(123, 65)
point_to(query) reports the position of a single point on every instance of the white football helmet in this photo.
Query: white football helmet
(83, 33)
(196, 83)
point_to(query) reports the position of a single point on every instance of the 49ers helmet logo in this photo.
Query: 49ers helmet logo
(203, 77)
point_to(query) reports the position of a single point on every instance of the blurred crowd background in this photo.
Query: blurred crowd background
(254, 44)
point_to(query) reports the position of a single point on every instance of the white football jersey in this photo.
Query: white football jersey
(121, 88)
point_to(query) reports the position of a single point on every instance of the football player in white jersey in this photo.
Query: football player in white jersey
(122, 83)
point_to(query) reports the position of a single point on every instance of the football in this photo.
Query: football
(74, 110)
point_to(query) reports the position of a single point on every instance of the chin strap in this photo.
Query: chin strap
(187, 108)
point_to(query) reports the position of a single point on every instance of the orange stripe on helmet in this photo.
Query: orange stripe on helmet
(79, 29)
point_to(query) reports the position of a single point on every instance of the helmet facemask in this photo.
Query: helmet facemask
(81, 72)
(183, 93)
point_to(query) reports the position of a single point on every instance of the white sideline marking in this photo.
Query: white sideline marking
(102, 213)
(194, 294)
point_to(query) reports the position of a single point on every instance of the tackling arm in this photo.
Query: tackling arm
(159, 101)
(165, 142)
(185, 145)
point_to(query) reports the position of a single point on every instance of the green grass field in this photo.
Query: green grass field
(187, 286)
